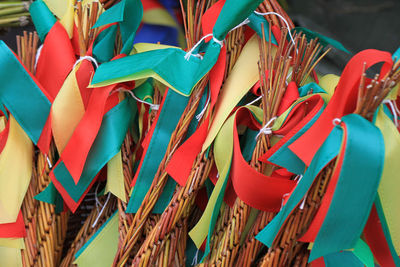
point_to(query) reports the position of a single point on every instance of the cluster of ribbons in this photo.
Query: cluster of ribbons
(75, 112)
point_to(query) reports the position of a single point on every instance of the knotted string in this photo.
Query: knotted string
(266, 129)
(152, 106)
(221, 43)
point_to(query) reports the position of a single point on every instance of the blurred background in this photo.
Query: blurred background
(357, 24)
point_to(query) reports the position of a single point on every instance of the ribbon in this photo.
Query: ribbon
(301, 117)
(106, 145)
(101, 247)
(42, 18)
(342, 102)
(378, 238)
(171, 109)
(350, 206)
(157, 63)
(13, 230)
(328, 151)
(15, 171)
(23, 95)
(180, 165)
(323, 40)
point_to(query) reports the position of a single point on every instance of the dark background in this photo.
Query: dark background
(357, 24)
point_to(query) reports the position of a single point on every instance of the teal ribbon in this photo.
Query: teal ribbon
(255, 23)
(169, 116)
(345, 259)
(21, 95)
(360, 256)
(160, 61)
(50, 195)
(322, 39)
(355, 190)
(396, 55)
(214, 216)
(305, 89)
(128, 14)
(42, 18)
(328, 151)
(284, 157)
(232, 14)
(103, 45)
(248, 143)
(107, 144)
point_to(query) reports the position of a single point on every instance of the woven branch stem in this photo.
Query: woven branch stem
(282, 249)
(87, 229)
(29, 210)
(178, 209)
(160, 179)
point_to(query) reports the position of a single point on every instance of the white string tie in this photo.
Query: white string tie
(189, 53)
(266, 129)
(303, 203)
(244, 22)
(201, 114)
(101, 211)
(92, 59)
(283, 200)
(336, 121)
(39, 51)
(152, 106)
(394, 109)
(221, 43)
(49, 162)
(195, 258)
(282, 18)
(254, 101)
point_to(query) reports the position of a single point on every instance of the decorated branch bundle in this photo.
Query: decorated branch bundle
(166, 133)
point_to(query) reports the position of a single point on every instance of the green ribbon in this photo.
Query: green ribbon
(173, 107)
(396, 55)
(108, 142)
(355, 190)
(360, 256)
(328, 151)
(145, 64)
(21, 95)
(103, 46)
(305, 89)
(160, 61)
(255, 23)
(42, 18)
(128, 14)
(232, 14)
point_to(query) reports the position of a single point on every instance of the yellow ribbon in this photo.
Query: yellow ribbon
(15, 172)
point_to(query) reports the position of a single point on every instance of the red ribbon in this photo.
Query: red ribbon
(376, 240)
(13, 230)
(181, 163)
(54, 64)
(319, 218)
(298, 117)
(342, 103)
(255, 189)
